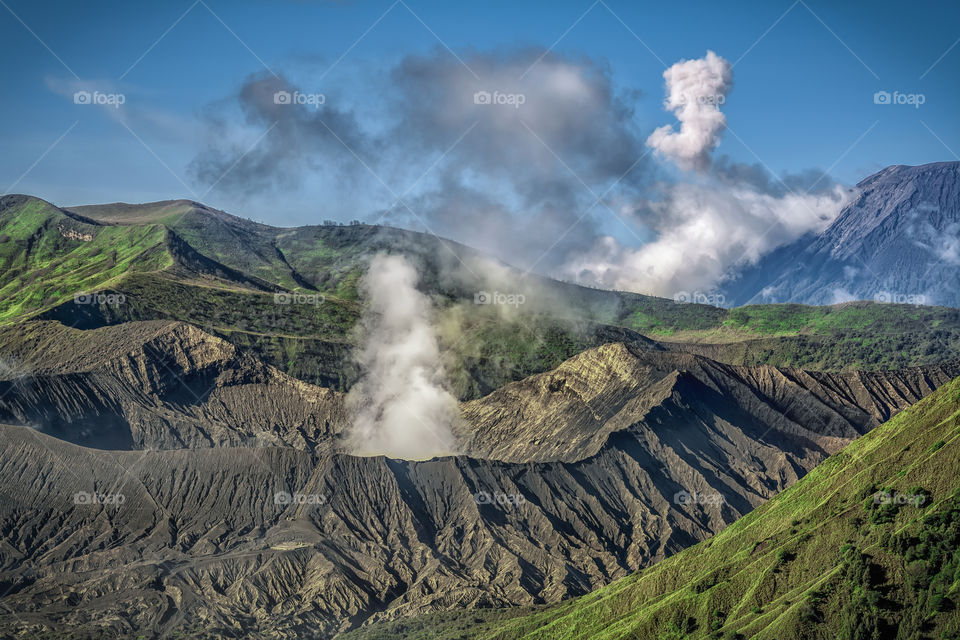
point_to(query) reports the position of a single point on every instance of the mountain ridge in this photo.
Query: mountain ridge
(865, 546)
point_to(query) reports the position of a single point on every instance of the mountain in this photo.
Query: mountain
(184, 261)
(156, 385)
(198, 544)
(897, 241)
(865, 546)
(159, 390)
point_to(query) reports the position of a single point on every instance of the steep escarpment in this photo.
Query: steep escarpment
(266, 534)
(866, 546)
(570, 412)
(199, 543)
(173, 465)
(896, 242)
(165, 385)
(156, 385)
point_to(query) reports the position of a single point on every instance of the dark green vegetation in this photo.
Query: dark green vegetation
(184, 261)
(866, 546)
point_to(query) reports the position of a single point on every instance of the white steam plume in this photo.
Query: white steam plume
(704, 231)
(695, 91)
(400, 406)
(714, 224)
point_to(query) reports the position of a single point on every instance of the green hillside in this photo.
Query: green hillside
(182, 260)
(865, 546)
(47, 257)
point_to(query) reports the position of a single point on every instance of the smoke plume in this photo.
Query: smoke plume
(533, 158)
(724, 217)
(704, 232)
(695, 91)
(400, 406)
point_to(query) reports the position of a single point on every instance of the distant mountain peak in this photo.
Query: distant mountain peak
(897, 241)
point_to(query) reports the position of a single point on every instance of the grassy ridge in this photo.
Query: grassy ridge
(663, 318)
(865, 546)
(41, 265)
(46, 256)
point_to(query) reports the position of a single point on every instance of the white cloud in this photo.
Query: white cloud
(718, 222)
(704, 230)
(695, 91)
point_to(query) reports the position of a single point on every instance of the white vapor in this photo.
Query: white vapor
(718, 222)
(703, 232)
(400, 406)
(695, 91)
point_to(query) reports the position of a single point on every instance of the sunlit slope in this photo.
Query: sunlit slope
(865, 546)
(46, 257)
(181, 260)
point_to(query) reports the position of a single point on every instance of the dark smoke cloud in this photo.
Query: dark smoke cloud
(299, 140)
(524, 174)
(520, 177)
(812, 181)
(509, 153)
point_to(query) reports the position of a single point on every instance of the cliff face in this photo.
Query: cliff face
(157, 385)
(569, 479)
(571, 412)
(169, 385)
(199, 542)
(159, 479)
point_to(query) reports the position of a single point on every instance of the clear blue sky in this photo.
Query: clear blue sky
(803, 93)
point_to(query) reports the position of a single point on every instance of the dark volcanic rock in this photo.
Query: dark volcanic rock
(156, 385)
(611, 462)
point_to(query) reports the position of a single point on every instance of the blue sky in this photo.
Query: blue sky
(804, 79)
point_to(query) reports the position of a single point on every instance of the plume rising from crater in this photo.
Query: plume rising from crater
(400, 407)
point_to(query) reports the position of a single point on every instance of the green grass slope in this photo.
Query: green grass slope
(866, 546)
(185, 261)
(46, 257)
